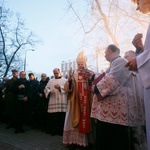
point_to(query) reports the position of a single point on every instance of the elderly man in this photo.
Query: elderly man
(142, 64)
(120, 109)
(20, 89)
(42, 105)
(57, 103)
(129, 55)
(78, 126)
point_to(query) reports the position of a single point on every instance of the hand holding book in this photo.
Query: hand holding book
(98, 94)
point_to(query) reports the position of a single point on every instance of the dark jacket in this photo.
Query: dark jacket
(22, 91)
(33, 89)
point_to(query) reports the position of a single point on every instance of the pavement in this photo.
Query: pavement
(31, 139)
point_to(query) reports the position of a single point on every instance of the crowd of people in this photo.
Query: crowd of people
(23, 101)
(99, 111)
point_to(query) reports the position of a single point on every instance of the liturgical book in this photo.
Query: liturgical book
(99, 96)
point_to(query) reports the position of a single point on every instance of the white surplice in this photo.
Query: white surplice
(143, 63)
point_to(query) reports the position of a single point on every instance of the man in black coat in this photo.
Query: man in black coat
(42, 104)
(32, 98)
(10, 99)
(20, 89)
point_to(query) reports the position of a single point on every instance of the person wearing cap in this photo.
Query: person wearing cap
(78, 128)
(142, 63)
(10, 99)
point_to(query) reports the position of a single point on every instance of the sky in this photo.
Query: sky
(55, 25)
(49, 20)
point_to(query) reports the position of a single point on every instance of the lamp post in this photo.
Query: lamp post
(25, 59)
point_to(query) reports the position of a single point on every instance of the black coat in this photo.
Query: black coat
(22, 91)
(42, 101)
(33, 90)
(10, 97)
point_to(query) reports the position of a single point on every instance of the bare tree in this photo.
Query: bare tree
(14, 40)
(107, 21)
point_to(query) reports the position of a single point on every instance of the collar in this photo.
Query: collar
(114, 59)
(58, 78)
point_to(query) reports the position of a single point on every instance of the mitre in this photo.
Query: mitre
(81, 57)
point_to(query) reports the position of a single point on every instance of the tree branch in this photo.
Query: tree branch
(106, 23)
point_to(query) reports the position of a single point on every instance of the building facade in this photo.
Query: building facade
(66, 66)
